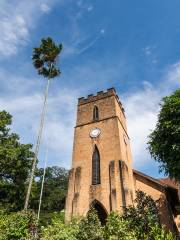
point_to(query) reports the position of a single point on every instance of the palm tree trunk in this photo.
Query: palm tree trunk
(37, 144)
(42, 184)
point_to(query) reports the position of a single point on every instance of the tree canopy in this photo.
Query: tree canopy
(45, 58)
(15, 167)
(15, 164)
(164, 141)
(55, 189)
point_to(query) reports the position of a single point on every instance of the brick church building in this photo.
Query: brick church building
(102, 173)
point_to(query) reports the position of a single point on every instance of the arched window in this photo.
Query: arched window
(95, 167)
(95, 113)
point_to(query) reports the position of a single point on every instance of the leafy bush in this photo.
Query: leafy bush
(143, 218)
(143, 215)
(118, 228)
(139, 222)
(90, 227)
(58, 230)
(158, 233)
(19, 226)
(87, 228)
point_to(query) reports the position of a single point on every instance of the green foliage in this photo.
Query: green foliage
(158, 233)
(143, 219)
(164, 141)
(58, 230)
(23, 226)
(15, 164)
(54, 192)
(118, 228)
(90, 227)
(45, 58)
(145, 208)
(138, 222)
(20, 226)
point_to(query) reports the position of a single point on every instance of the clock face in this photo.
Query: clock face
(95, 132)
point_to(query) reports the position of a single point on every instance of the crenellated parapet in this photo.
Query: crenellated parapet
(100, 95)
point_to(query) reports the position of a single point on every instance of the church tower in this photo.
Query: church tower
(101, 174)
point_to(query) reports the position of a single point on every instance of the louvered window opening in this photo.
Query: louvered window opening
(96, 167)
(95, 113)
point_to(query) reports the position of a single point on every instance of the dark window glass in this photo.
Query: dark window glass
(96, 167)
(95, 113)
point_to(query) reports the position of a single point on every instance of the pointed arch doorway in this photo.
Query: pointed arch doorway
(101, 212)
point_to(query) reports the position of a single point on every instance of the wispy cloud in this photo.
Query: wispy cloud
(150, 54)
(14, 31)
(91, 43)
(16, 21)
(82, 43)
(147, 50)
(45, 8)
(142, 108)
(24, 96)
(83, 7)
(90, 8)
(80, 40)
(173, 73)
(59, 124)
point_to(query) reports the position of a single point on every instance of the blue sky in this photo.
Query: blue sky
(130, 45)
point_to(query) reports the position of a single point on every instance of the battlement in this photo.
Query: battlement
(100, 95)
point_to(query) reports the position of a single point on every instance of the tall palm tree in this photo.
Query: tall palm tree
(45, 61)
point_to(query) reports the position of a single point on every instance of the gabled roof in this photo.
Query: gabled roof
(154, 180)
(160, 184)
(171, 183)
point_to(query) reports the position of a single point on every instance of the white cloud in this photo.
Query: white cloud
(90, 8)
(14, 32)
(141, 112)
(24, 102)
(16, 21)
(150, 54)
(147, 50)
(173, 74)
(82, 44)
(142, 108)
(45, 8)
(59, 123)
